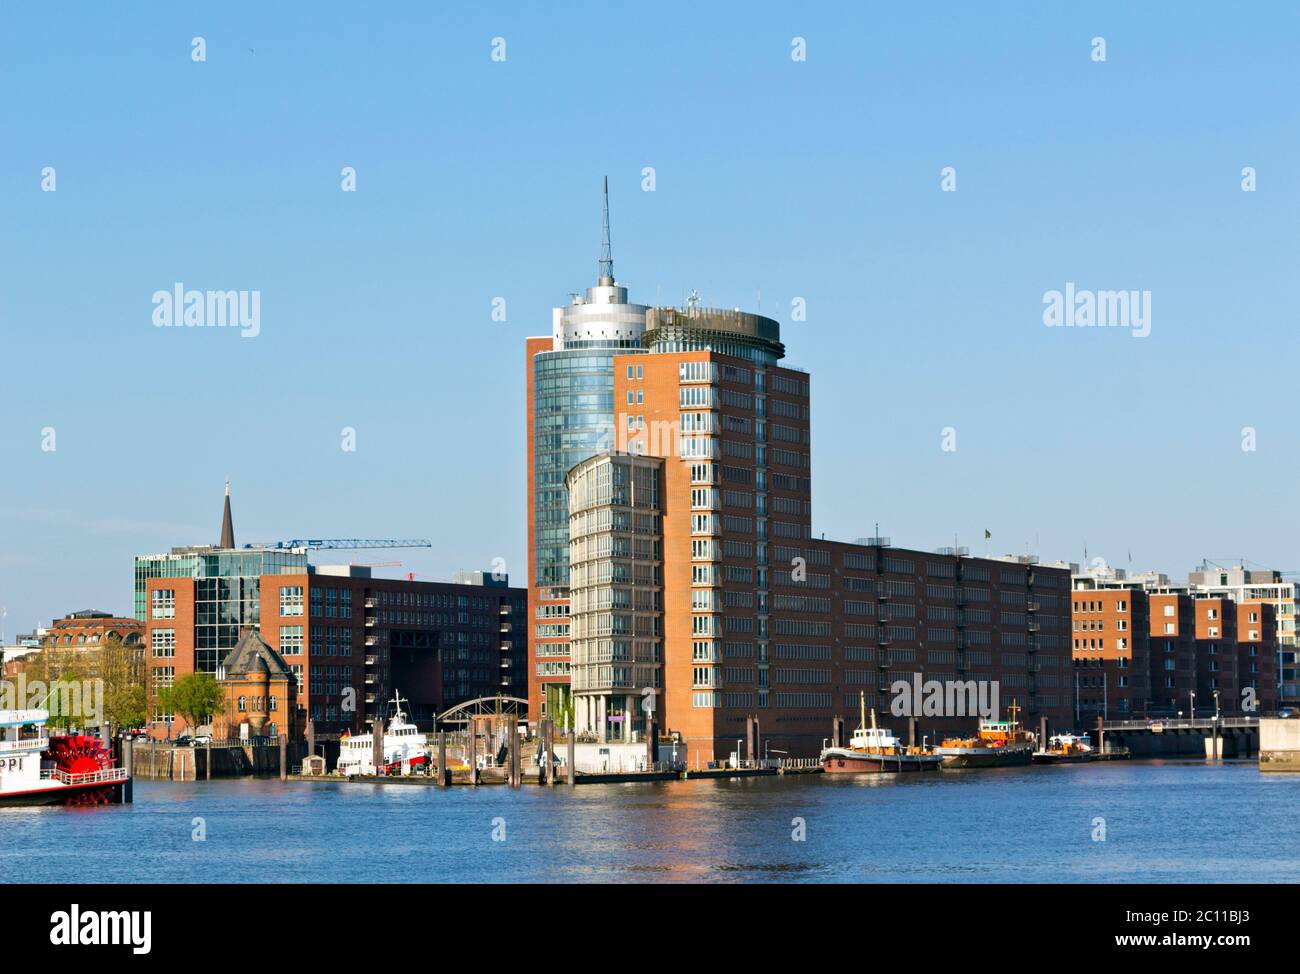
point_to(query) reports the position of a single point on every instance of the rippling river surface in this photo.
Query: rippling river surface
(1161, 821)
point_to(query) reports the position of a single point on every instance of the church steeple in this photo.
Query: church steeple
(227, 525)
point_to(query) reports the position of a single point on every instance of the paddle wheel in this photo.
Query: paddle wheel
(79, 754)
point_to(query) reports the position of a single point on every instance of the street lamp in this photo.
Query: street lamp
(1216, 704)
(1193, 715)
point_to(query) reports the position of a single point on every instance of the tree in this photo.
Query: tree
(122, 668)
(196, 696)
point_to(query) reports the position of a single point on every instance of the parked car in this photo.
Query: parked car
(203, 739)
(1286, 712)
(183, 741)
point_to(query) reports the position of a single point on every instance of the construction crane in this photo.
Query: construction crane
(323, 544)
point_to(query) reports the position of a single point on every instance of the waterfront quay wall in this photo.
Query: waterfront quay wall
(159, 760)
(1279, 744)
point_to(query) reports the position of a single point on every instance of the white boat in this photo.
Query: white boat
(37, 769)
(404, 747)
(1066, 749)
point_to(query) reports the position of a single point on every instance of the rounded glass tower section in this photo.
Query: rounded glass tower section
(573, 388)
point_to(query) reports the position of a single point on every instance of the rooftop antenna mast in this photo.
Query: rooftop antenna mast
(606, 254)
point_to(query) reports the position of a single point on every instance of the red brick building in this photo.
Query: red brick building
(350, 639)
(745, 616)
(1146, 654)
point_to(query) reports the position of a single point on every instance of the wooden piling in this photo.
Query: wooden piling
(550, 752)
(512, 755)
(572, 772)
(377, 745)
(444, 776)
(284, 758)
(472, 749)
(128, 763)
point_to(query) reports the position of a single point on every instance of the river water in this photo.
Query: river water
(1140, 821)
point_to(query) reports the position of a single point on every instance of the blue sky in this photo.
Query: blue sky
(477, 179)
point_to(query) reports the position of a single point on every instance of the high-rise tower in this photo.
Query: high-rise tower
(570, 393)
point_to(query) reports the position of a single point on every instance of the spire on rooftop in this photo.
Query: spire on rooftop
(227, 525)
(606, 278)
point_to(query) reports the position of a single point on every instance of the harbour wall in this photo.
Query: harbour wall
(1279, 744)
(159, 760)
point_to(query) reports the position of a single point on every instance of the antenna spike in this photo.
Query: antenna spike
(606, 278)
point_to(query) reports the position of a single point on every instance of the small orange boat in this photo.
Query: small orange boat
(997, 744)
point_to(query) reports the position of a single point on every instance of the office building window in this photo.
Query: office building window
(291, 600)
(291, 641)
(164, 603)
(163, 642)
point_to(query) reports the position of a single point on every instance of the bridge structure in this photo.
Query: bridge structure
(495, 708)
(1211, 737)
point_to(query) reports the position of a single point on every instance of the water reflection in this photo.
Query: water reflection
(1166, 821)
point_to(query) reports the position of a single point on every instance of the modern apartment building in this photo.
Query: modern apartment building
(694, 588)
(350, 639)
(1244, 585)
(1140, 652)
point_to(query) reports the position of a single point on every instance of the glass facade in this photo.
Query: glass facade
(573, 393)
(227, 591)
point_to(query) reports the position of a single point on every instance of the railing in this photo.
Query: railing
(26, 744)
(1183, 723)
(106, 776)
(223, 742)
(800, 762)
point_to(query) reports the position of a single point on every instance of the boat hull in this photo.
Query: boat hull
(984, 757)
(1047, 757)
(58, 795)
(843, 761)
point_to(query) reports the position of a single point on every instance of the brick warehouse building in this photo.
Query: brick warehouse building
(338, 628)
(1140, 653)
(711, 596)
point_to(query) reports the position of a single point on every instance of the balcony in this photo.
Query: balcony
(1032, 606)
(371, 660)
(882, 594)
(370, 603)
(505, 628)
(1034, 625)
(372, 640)
(370, 622)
